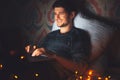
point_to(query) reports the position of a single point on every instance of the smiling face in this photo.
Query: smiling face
(61, 17)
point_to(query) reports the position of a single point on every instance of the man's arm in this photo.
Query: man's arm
(68, 64)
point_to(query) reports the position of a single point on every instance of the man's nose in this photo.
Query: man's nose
(57, 16)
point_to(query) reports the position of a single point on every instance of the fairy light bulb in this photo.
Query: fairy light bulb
(109, 77)
(1, 66)
(36, 74)
(99, 78)
(89, 78)
(90, 72)
(106, 78)
(81, 77)
(76, 72)
(22, 57)
(15, 76)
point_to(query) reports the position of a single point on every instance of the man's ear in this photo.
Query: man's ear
(72, 15)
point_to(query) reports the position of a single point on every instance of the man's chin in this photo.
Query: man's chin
(60, 26)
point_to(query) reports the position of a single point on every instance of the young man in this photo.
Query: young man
(70, 46)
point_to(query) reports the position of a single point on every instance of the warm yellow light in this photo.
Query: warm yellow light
(109, 76)
(36, 74)
(90, 72)
(88, 78)
(80, 77)
(76, 72)
(1, 66)
(99, 78)
(15, 76)
(106, 78)
(22, 57)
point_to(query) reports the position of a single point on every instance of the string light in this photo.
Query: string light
(15, 76)
(89, 78)
(106, 78)
(99, 78)
(90, 72)
(109, 76)
(81, 77)
(90, 75)
(36, 74)
(1, 66)
(22, 57)
(76, 72)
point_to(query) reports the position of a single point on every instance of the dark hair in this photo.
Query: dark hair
(68, 5)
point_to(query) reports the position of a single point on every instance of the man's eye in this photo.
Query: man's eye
(54, 13)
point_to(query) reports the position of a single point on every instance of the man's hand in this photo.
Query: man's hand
(30, 48)
(38, 51)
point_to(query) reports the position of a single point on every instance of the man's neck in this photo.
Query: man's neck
(65, 29)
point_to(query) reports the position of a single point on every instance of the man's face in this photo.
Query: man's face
(62, 18)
